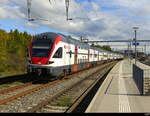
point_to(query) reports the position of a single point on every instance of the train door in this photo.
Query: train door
(65, 54)
(75, 68)
(93, 55)
(70, 58)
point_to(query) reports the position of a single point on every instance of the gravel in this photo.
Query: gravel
(4, 96)
(25, 103)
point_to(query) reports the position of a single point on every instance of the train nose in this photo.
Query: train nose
(39, 60)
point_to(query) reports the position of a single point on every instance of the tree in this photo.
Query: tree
(105, 47)
(13, 50)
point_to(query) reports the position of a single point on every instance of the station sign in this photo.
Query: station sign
(136, 44)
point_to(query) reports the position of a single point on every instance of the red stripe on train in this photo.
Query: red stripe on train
(57, 40)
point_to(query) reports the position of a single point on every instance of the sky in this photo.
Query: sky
(93, 19)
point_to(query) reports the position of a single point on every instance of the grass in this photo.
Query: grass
(16, 83)
(3, 86)
(64, 102)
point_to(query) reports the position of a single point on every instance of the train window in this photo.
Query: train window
(41, 48)
(58, 53)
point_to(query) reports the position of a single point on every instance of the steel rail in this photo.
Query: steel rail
(76, 103)
(46, 102)
(10, 89)
(24, 93)
(27, 92)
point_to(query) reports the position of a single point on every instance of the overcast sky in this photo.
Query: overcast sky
(98, 19)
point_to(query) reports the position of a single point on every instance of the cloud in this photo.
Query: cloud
(104, 19)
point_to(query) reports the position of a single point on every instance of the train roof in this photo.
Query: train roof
(52, 36)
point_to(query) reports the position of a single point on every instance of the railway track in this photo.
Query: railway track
(10, 89)
(20, 82)
(8, 92)
(37, 88)
(21, 94)
(9, 79)
(74, 93)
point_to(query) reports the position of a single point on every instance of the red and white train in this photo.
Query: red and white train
(56, 54)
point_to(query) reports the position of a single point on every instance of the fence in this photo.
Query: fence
(142, 79)
(146, 82)
(138, 77)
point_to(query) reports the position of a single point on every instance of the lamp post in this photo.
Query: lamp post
(135, 29)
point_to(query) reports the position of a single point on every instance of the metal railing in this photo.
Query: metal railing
(138, 77)
(142, 79)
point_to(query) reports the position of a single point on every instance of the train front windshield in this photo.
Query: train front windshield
(41, 48)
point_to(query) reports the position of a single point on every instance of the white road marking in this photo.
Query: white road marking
(124, 105)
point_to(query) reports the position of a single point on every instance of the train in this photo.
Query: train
(57, 55)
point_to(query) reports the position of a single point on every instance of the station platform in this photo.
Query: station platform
(119, 93)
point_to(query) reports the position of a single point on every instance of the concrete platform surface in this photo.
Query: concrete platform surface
(119, 93)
